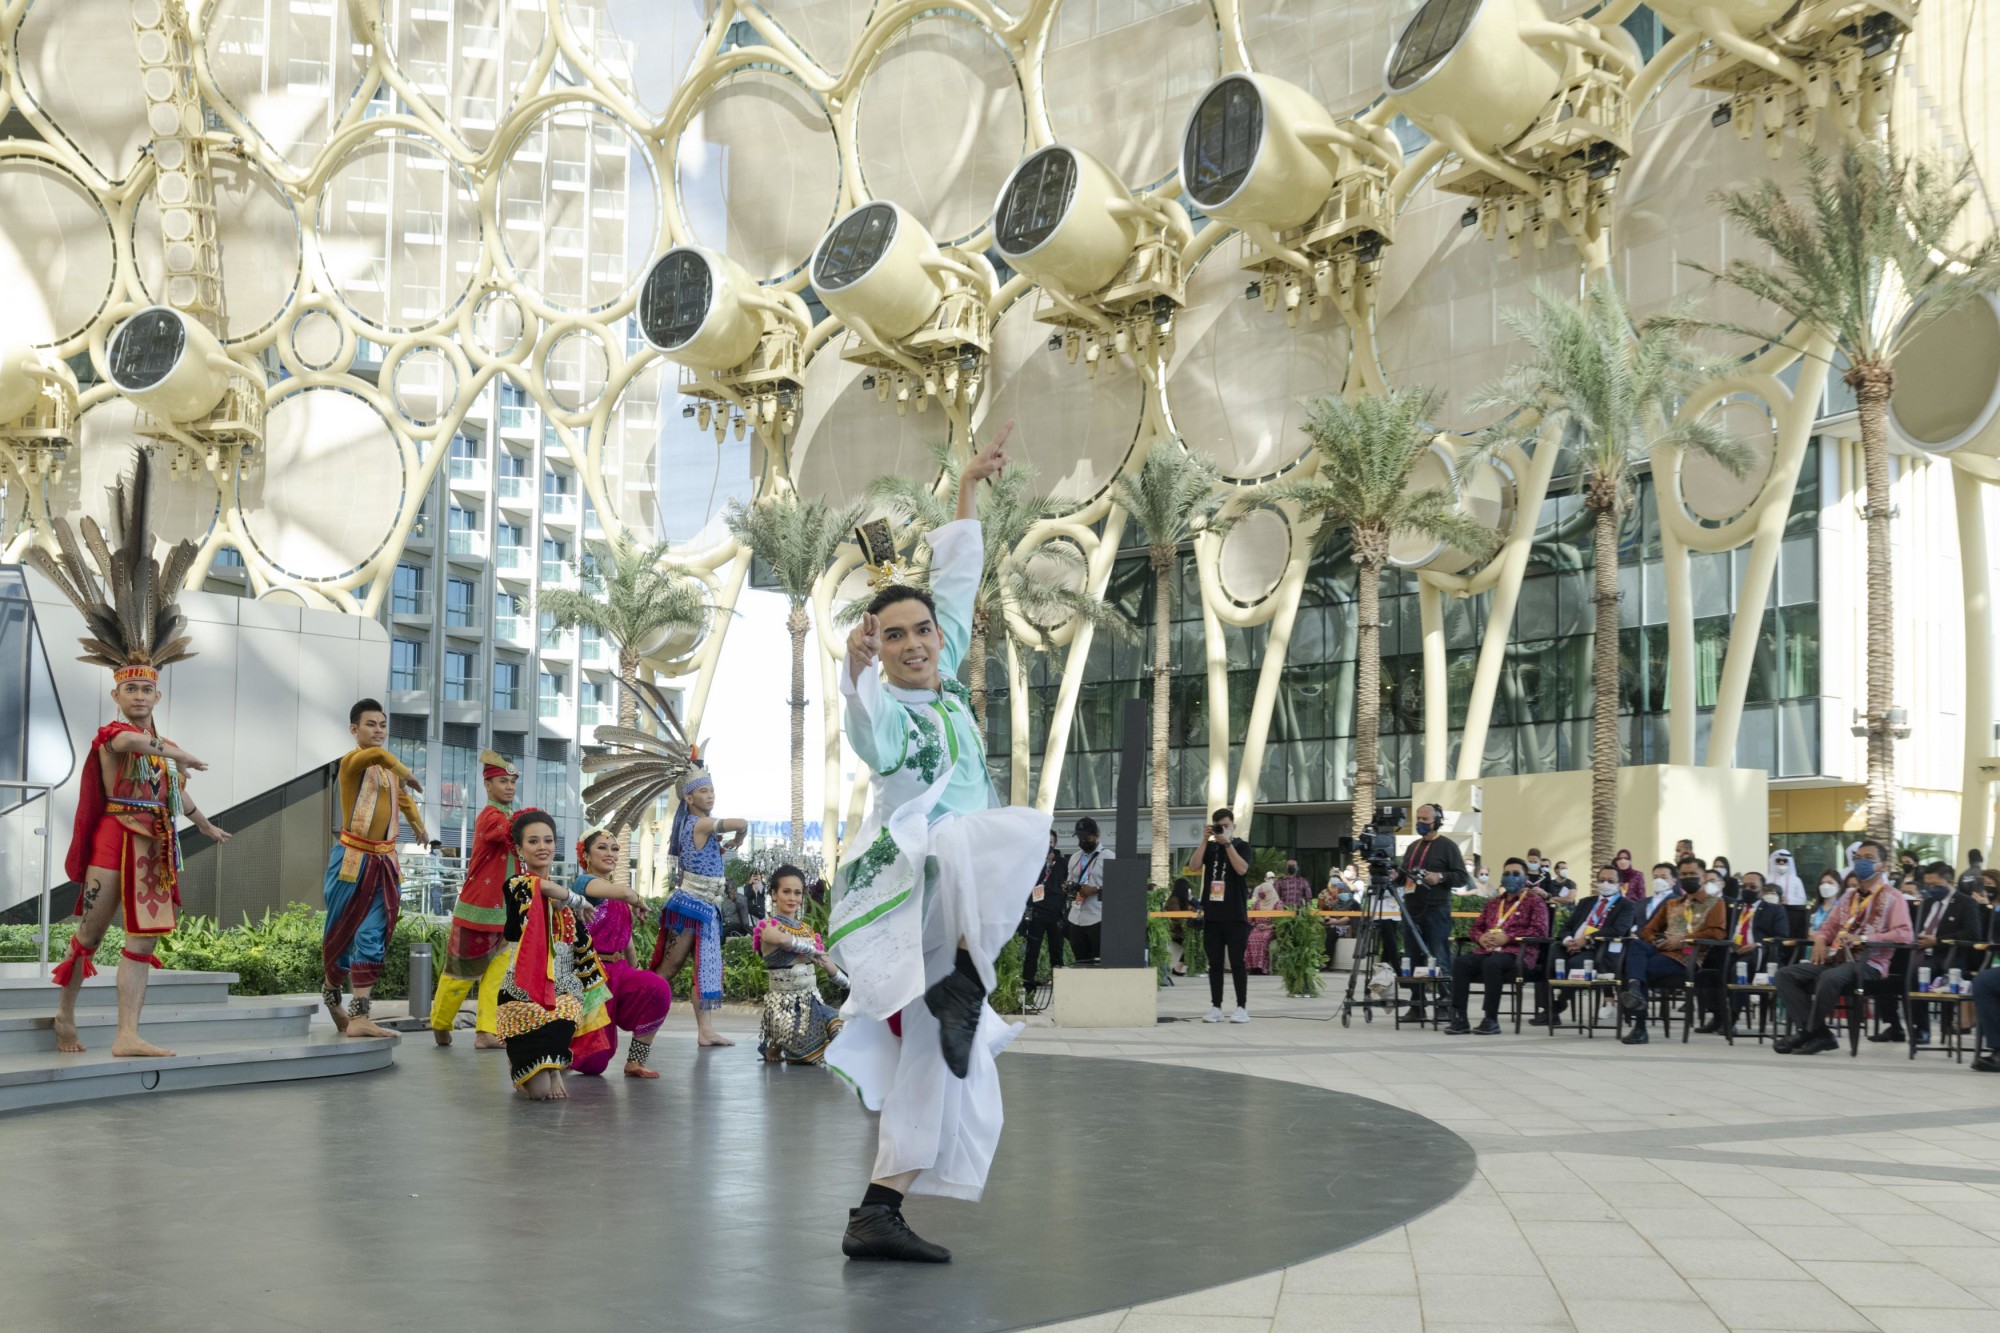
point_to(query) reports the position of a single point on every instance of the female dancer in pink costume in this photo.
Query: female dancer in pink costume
(639, 998)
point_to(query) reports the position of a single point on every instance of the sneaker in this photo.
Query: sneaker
(1212, 1016)
(878, 1231)
(1816, 1044)
(1489, 1028)
(1458, 1027)
(956, 1003)
(1241, 1015)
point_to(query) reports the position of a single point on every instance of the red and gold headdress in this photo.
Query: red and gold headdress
(134, 626)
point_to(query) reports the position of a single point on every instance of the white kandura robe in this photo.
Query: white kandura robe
(940, 860)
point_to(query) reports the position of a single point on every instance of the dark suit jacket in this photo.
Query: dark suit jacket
(1619, 921)
(1963, 919)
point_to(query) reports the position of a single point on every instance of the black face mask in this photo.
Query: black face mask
(1690, 887)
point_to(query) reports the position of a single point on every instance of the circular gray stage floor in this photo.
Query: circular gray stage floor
(427, 1197)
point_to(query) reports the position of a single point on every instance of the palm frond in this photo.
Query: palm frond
(632, 597)
(795, 539)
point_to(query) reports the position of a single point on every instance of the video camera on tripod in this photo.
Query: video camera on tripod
(1377, 846)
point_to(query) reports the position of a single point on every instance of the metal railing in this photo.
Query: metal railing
(43, 792)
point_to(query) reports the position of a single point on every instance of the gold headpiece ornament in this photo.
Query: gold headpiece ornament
(886, 566)
(135, 628)
(493, 764)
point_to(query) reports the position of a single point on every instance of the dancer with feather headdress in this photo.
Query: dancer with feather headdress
(641, 769)
(126, 851)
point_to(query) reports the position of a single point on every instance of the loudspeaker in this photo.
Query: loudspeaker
(1125, 873)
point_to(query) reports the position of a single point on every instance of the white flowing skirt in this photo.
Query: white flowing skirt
(969, 881)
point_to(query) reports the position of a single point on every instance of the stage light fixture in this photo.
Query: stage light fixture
(169, 364)
(740, 344)
(1308, 191)
(918, 312)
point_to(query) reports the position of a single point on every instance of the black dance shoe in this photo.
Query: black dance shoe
(956, 1002)
(877, 1231)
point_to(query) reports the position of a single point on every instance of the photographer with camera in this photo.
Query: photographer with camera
(1225, 913)
(1432, 869)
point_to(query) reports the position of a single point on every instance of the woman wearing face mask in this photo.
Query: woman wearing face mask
(1629, 878)
(1831, 886)
(1730, 885)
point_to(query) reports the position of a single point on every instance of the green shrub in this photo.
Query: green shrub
(1006, 997)
(1298, 950)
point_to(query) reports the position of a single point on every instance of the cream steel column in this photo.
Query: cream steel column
(1975, 808)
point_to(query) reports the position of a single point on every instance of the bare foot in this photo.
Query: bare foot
(365, 1027)
(640, 1071)
(537, 1087)
(442, 1036)
(339, 1015)
(713, 1039)
(134, 1045)
(486, 1041)
(66, 1039)
(557, 1092)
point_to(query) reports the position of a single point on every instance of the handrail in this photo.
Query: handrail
(47, 792)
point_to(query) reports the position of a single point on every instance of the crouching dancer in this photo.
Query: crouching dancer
(934, 894)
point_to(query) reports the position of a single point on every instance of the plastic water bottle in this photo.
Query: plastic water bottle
(1923, 978)
(1742, 974)
(1403, 966)
(1562, 968)
(1957, 982)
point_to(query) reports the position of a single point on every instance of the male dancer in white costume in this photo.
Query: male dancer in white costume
(934, 895)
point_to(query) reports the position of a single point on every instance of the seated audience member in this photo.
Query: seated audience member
(1662, 952)
(1986, 988)
(1831, 885)
(1566, 887)
(1497, 955)
(1595, 929)
(1761, 918)
(1257, 949)
(1946, 918)
(1862, 932)
(1783, 876)
(1730, 884)
(1293, 888)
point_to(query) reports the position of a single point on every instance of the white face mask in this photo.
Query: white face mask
(1534, 866)
(1710, 888)
(1771, 897)
(1829, 890)
(1607, 887)
(1661, 884)
(1483, 877)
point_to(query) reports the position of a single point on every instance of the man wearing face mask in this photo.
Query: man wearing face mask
(1662, 952)
(1594, 929)
(1432, 868)
(1760, 918)
(1946, 912)
(1853, 947)
(1498, 954)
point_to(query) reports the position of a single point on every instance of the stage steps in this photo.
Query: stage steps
(217, 1039)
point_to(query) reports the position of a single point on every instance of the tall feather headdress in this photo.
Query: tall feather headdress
(640, 767)
(127, 601)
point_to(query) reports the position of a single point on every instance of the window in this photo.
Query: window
(507, 685)
(510, 534)
(412, 751)
(512, 464)
(463, 519)
(460, 684)
(406, 665)
(461, 786)
(460, 611)
(552, 684)
(557, 483)
(407, 592)
(554, 793)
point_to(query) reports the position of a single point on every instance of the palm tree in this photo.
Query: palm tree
(1867, 256)
(1367, 450)
(1172, 496)
(796, 539)
(1611, 395)
(631, 598)
(1042, 590)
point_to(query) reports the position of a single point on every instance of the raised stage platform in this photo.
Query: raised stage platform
(426, 1196)
(218, 1040)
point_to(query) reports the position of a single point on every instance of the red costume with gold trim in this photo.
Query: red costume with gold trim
(139, 806)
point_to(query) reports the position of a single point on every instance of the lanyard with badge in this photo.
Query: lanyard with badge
(1218, 885)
